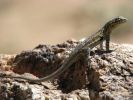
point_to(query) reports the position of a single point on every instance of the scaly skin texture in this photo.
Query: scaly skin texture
(92, 41)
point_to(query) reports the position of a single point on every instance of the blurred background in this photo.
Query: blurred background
(26, 23)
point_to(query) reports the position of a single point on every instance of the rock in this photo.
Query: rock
(109, 73)
(107, 76)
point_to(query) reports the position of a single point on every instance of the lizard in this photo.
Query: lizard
(89, 43)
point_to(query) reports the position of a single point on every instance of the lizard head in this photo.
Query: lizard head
(119, 20)
(109, 26)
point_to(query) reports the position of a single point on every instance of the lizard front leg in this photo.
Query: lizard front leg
(101, 46)
(107, 38)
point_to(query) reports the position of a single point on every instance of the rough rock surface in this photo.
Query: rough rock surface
(107, 76)
(111, 74)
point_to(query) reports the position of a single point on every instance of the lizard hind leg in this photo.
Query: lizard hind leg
(86, 57)
(85, 52)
